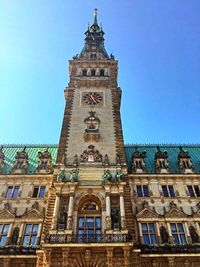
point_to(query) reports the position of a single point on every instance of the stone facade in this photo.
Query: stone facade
(91, 201)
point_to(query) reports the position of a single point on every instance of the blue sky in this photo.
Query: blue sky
(156, 42)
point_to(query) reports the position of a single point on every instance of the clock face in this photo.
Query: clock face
(92, 98)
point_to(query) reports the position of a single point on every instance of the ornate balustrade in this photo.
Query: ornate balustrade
(102, 238)
(162, 249)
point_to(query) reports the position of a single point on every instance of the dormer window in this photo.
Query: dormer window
(102, 73)
(162, 165)
(84, 72)
(138, 163)
(93, 72)
(185, 162)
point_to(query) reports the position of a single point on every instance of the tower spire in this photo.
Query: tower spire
(95, 16)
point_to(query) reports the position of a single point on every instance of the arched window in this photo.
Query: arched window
(84, 72)
(93, 72)
(102, 72)
(89, 220)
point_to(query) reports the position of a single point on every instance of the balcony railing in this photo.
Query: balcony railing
(18, 250)
(102, 238)
(162, 249)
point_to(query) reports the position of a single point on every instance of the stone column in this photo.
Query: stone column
(108, 217)
(39, 233)
(40, 254)
(140, 233)
(47, 258)
(65, 256)
(70, 211)
(110, 257)
(187, 233)
(170, 233)
(158, 233)
(55, 213)
(187, 263)
(9, 233)
(122, 210)
(126, 257)
(21, 234)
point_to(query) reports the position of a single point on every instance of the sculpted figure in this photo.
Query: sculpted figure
(107, 176)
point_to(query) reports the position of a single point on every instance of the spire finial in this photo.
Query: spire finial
(95, 16)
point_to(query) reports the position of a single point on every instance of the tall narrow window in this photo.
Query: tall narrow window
(12, 192)
(142, 191)
(3, 233)
(30, 235)
(84, 72)
(178, 233)
(102, 72)
(148, 233)
(93, 72)
(39, 191)
(193, 191)
(168, 191)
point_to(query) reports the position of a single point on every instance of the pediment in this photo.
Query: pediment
(6, 214)
(147, 213)
(33, 214)
(175, 213)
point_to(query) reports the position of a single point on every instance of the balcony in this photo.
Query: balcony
(172, 249)
(72, 239)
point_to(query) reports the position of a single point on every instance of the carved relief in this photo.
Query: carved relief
(147, 213)
(33, 214)
(91, 155)
(6, 214)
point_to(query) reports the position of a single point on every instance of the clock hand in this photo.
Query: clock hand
(94, 100)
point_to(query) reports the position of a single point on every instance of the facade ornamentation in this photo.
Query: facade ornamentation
(92, 127)
(107, 176)
(21, 162)
(45, 163)
(91, 155)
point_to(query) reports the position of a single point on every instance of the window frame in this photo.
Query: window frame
(12, 191)
(149, 236)
(194, 190)
(40, 191)
(168, 191)
(2, 234)
(30, 234)
(143, 192)
(179, 234)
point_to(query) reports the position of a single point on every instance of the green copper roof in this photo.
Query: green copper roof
(32, 150)
(173, 151)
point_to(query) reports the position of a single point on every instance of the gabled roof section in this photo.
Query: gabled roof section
(172, 152)
(147, 213)
(10, 152)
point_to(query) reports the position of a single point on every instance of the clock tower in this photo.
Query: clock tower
(91, 133)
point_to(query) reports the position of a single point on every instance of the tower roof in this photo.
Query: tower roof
(94, 42)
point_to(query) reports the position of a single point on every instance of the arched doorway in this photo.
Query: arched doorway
(89, 220)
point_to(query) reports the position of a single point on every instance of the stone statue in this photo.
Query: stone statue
(164, 235)
(69, 223)
(106, 160)
(73, 176)
(194, 235)
(119, 175)
(118, 160)
(108, 222)
(61, 177)
(107, 176)
(75, 160)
